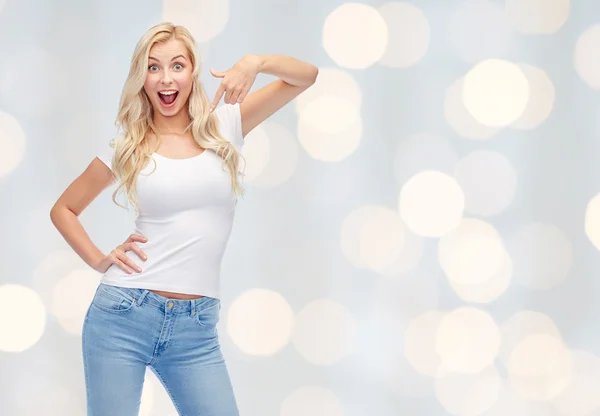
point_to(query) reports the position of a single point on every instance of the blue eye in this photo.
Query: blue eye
(152, 66)
(179, 65)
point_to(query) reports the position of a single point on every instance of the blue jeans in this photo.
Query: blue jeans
(127, 329)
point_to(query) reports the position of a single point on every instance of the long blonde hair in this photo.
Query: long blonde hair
(132, 149)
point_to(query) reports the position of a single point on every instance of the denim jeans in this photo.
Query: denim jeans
(127, 329)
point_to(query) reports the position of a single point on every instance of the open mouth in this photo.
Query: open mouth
(167, 98)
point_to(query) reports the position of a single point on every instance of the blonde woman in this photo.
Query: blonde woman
(178, 162)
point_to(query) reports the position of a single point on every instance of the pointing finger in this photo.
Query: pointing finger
(217, 98)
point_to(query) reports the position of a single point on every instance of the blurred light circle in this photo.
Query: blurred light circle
(542, 96)
(587, 56)
(472, 253)
(260, 322)
(537, 16)
(431, 203)
(496, 92)
(355, 35)
(467, 340)
(22, 330)
(461, 121)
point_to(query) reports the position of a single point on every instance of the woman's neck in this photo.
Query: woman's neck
(171, 125)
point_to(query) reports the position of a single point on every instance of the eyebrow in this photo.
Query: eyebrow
(178, 56)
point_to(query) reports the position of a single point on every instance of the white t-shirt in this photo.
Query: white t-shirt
(186, 210)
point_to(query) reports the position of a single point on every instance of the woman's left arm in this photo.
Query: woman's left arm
(294, 75)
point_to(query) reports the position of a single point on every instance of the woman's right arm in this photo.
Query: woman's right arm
(78, 195)
(65, 212)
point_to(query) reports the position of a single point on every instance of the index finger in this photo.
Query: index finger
(134, 237)
(138, 250)
(218, 96)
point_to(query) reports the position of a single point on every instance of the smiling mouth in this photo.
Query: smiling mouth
(167, 99)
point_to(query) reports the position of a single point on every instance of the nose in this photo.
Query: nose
(166, 78)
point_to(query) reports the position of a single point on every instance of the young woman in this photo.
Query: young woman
(178, 161)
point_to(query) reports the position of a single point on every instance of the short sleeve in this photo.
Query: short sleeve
(105, 154)
(230, 123)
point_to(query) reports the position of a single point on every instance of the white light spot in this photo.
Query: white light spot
(541, 98)
(331, 82)
(431, 203)
(22, 330)
(587, 56)
(592, 221)
(489, 290)
(495, 92)
(456, 114)
(472, 253)
(330, 147)
(408, 34)
(467, 340)
(471, 394)
(540, 367)
(330, 125)
(330, 114)
(420, 343)
(205, 19)
(519, 326)
(360, 243)
(537, 16)
(355, 35)
(260, 322)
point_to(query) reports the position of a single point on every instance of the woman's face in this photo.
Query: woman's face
(169, 77)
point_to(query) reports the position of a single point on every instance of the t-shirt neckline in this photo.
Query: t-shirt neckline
(180, 159)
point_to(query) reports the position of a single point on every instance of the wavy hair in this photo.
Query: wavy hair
(132, 150)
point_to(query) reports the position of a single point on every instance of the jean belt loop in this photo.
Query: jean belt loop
(192, 307)
(140, 300)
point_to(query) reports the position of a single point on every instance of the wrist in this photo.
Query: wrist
(256, 60)
(97, 261)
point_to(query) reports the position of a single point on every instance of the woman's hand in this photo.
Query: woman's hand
(237, 80)
(118, 256)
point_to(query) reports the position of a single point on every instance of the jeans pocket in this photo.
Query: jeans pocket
(112, 299)
(206, 315)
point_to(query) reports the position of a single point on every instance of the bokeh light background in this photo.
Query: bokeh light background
(421, 229)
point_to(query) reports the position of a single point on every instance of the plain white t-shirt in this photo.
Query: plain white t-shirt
(186, 210)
